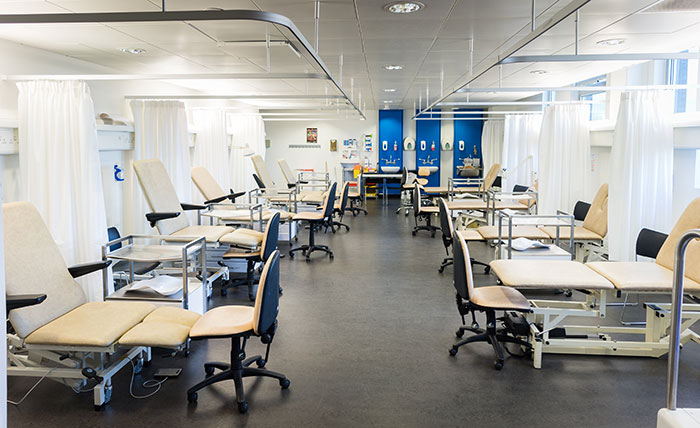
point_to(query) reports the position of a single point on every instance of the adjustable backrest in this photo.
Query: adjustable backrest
(463, 280)
(206, 184)
(649, 243)
(581, 210)
(261, 170)
(112, 234)
(329, 202)
(490, 177)
(445, 220)
(33, 265)
(690, 219)
(160, 194)
(344, 196)
(267, 299)
(269, 242)
(287, 172)
(597, 218)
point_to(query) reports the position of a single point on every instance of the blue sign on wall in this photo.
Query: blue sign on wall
(428, 147)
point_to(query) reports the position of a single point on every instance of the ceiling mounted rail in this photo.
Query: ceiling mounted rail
(207, 76)
(600, 57)
(277, 20)
(579, 88)
(233, 97)
(562, 14)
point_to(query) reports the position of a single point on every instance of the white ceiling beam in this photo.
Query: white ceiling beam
(189, 76)
(232, 97)
(579, 88)
(511, 103)
(601, 57)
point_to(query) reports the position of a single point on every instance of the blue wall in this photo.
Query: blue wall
(468, 131)
(428, 131)
(391, 131)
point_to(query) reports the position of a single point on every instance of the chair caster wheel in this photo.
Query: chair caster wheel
(487, 270)
(498, 365)
(308, 260)
(453, 352)
(284, 383)
(98, 408)
(224, 292)
(413, 233)
(432, 235)
(208, 371)
(261, 363)
(242, 407)
(291, 255)
(192, 398)
(331, 256)
(568, 293)
(441, 270)
(459, 334)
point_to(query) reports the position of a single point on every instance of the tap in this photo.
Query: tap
(429, 161)
(391, 160)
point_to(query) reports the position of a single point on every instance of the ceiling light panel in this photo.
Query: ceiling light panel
(403, 7)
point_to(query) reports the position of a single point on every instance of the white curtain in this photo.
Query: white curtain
(211, 147)
(491, 143)
(520, 139)
(248, 134)
(60, 170)
(641, 180)
(564, 152)
(160, 131)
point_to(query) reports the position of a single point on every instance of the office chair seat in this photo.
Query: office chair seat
(309, 215)
(429, 209)
(501, 298)
(224, 321)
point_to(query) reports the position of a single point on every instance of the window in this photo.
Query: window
(683, 72)
(598, 99)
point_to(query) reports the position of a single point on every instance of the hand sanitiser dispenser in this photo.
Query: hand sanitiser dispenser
(422, 144)
(385, 145)
(432, 146)
(396, 146)
(461, 145)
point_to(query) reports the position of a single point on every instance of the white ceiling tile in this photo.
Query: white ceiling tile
(105, 5)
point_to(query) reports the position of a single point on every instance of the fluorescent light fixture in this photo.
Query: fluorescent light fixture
(404, 7)
(539, 72)
(389, 90)
(133, 51)
(387, 102)
(610, 42)
(393, 67)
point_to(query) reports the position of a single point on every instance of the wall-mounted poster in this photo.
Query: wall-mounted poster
(311, 135)
(334, 145)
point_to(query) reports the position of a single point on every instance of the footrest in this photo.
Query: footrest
(166, 327)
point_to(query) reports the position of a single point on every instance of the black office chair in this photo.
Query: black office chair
(316, 220)
(357, 198)
(649, 243)
(269, 244)
(339, 208)
(447, 229)
(122, 266)
(486, 299)
(423, 213)
(239, 323)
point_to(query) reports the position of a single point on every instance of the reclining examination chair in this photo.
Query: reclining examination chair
(277, 194)
(67, 338)
(294, 182)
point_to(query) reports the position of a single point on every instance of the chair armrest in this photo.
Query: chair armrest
(231, 196)
(155, 217)
(85, 268)
(21, 300)
(192, 207)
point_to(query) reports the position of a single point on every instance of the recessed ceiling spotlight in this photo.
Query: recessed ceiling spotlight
(389, 90)
(133, 51)
(404, 6)
(538, 72)
(387, 102)
(393, 67)
(610, 42)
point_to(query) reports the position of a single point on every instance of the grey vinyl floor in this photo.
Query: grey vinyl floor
(364, 340)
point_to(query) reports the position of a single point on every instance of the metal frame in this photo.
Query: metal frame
(280, 22)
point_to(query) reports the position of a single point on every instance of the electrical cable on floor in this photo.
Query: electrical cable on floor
(30, 389)
(147, 384)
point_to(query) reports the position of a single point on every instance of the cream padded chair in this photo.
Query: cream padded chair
(66, 327)
(169, 217)
(595, 225)
(214, 194)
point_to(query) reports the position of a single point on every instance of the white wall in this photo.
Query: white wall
(283, 133)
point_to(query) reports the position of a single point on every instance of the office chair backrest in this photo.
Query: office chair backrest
(416, 199)
(690, 219)
(262, 171)
(258, 181)
(463, 279)
(269, 242)
(207, 185)
(597, 217)
(404, 175)
(649, 243)
(112, 234)
(344, 196)
(287, 172)
(160, 194)
(581, 210)
(34, 265)
(329, 202)
(267, 299)
(490, 177)
(445, 222)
